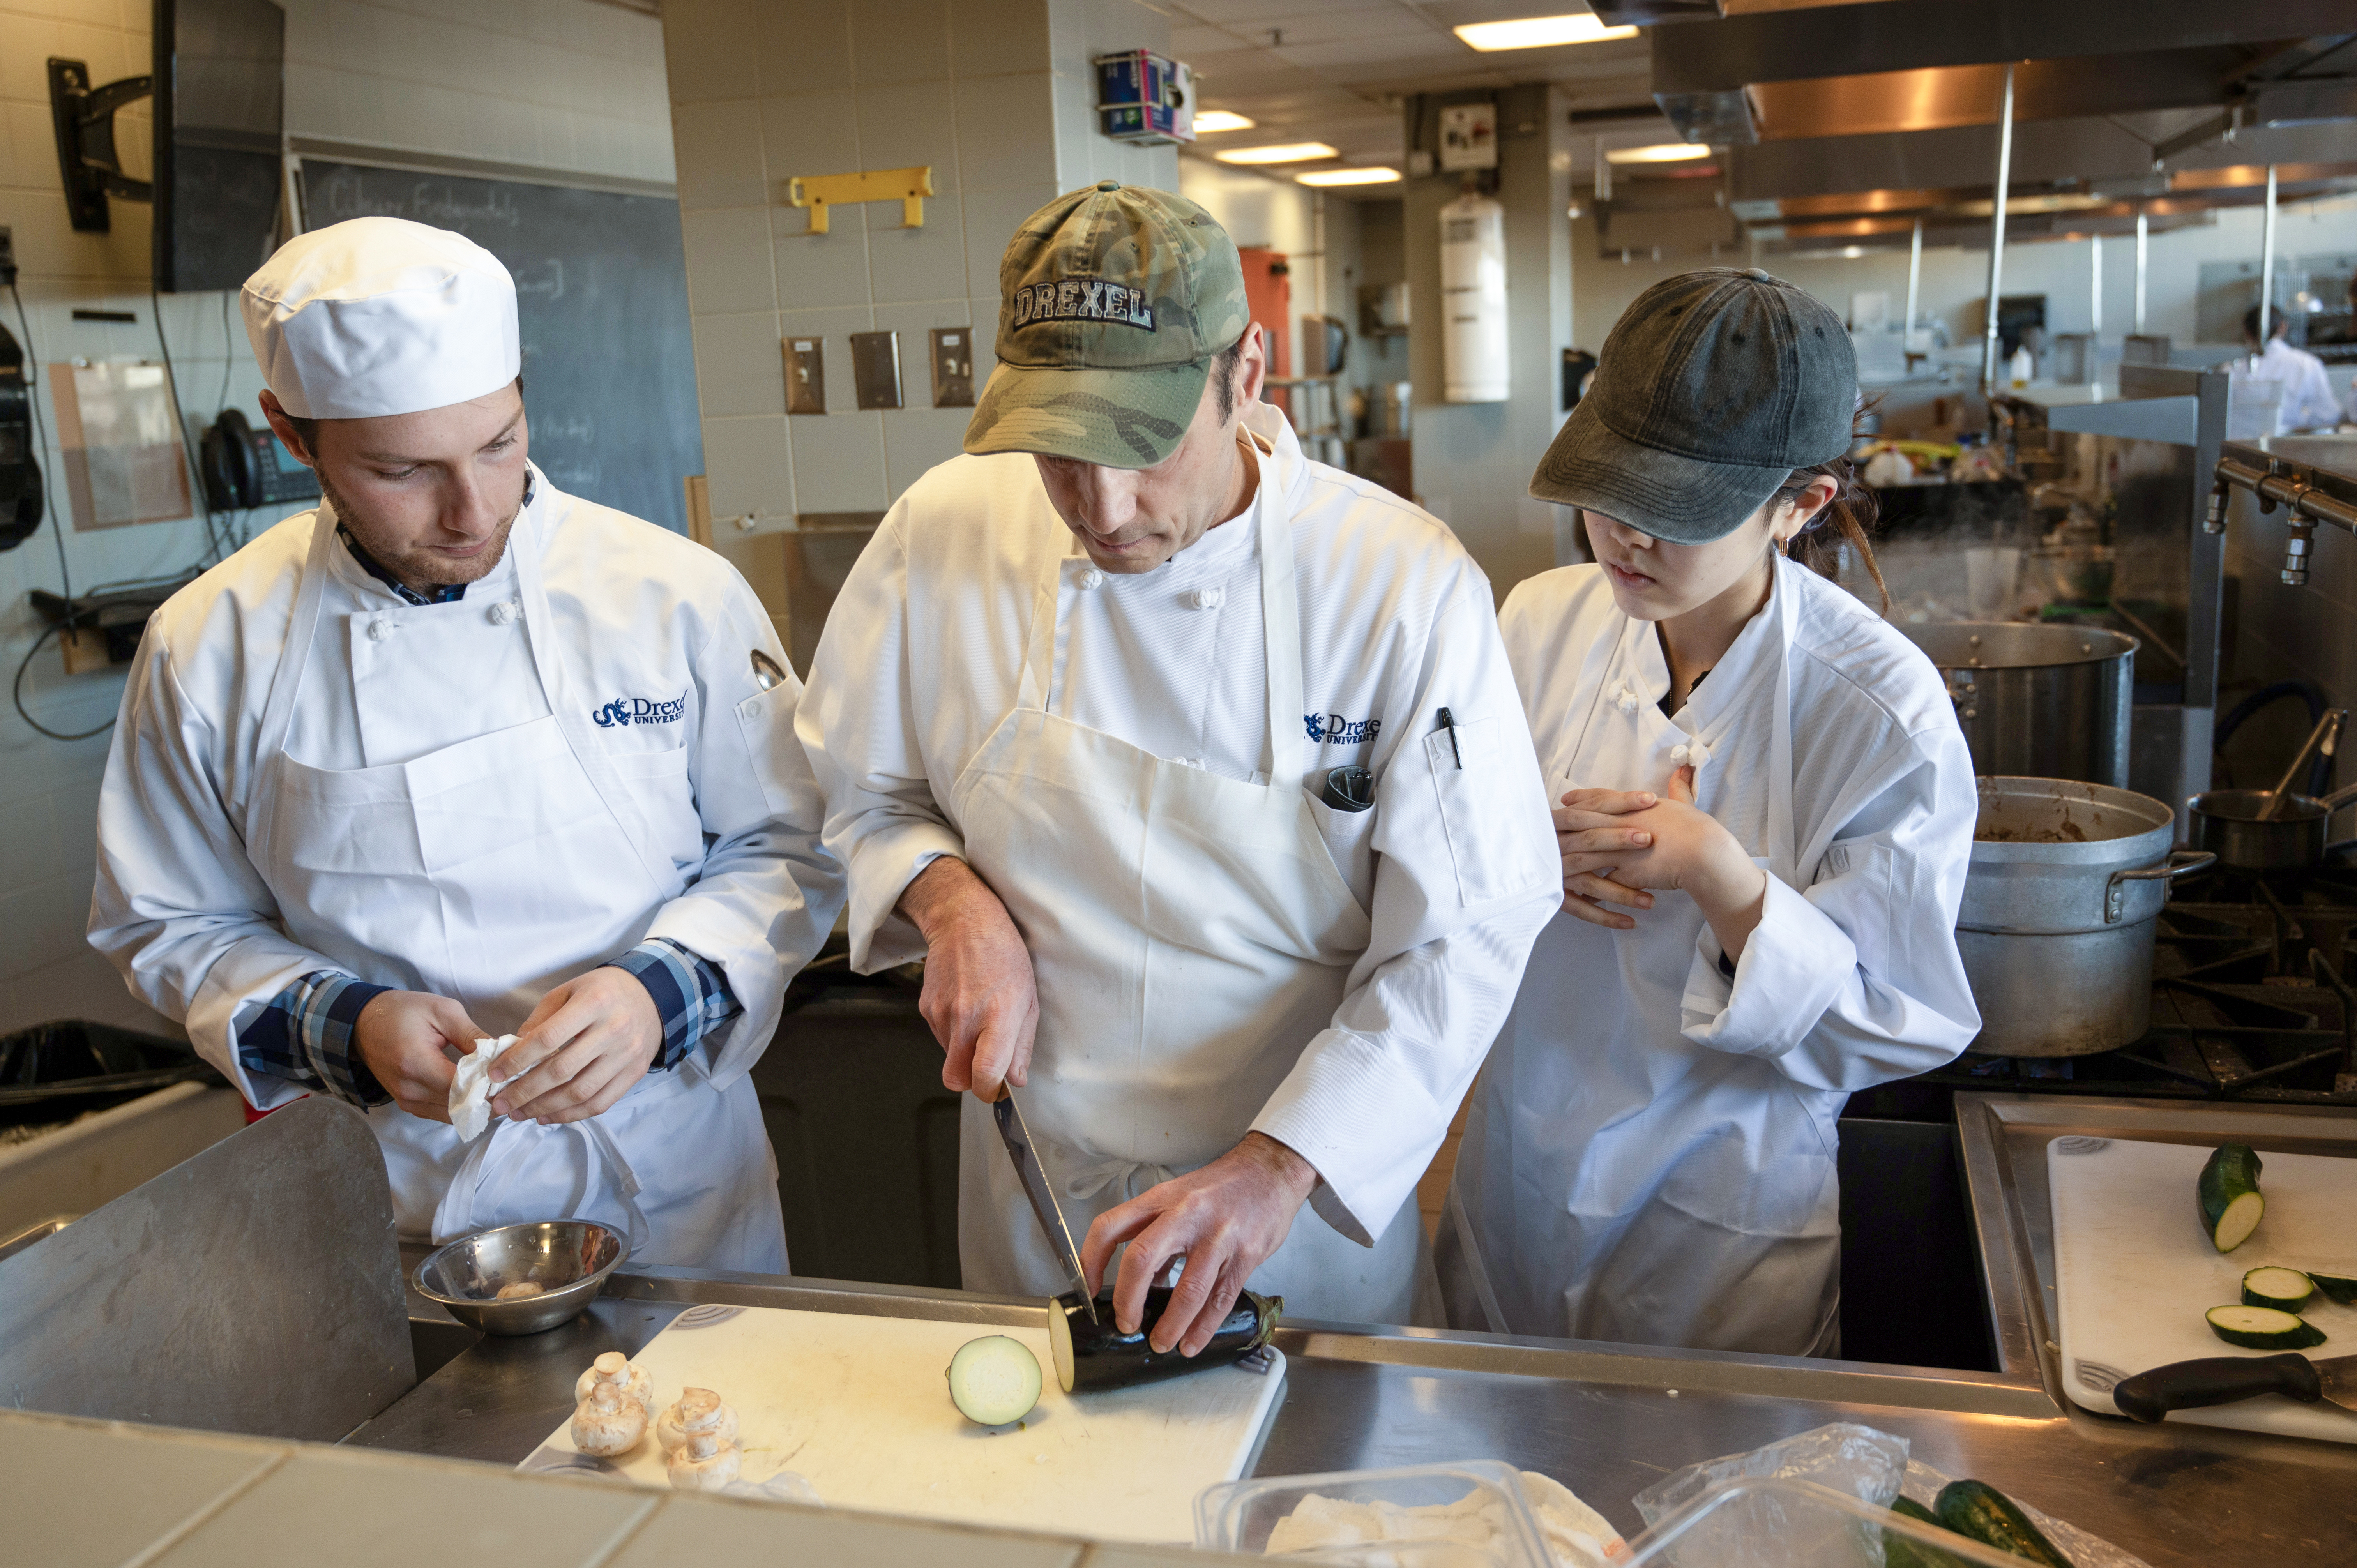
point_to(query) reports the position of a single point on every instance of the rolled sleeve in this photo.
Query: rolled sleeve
(1794, 967)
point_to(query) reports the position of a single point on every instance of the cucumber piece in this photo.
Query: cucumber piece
(2228, 1192)
(1979, 1510)
(2263, 1329)
(994, 1381)
(1905, 1551)
(2286, 1290)
(2341, 1288)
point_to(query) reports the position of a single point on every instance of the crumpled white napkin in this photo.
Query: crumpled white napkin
(1576, 1536)
(470, 1089)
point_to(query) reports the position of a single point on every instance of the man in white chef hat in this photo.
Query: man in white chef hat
(457, 756)
(1195, 770)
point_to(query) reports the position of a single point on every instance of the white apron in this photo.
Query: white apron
(1620, 1182)
(488, 872)
(1190, 934)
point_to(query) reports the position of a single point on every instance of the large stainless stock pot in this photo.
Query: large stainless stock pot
(2047, 701)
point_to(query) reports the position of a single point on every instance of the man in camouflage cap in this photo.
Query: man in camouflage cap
(1220, 833)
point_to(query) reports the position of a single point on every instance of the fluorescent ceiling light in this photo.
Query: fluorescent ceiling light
(1349, 176)
(1659, 153)
(1277, 152)
(1540, 32)
(1212, 122)
(1852, 253)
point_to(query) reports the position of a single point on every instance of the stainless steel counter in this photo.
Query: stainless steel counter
(1608, 1421)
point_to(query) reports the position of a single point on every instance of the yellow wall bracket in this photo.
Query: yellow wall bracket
(908, 187)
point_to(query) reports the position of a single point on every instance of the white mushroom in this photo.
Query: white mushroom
(614, 1368)
(705, 1463)
(522, 1290)
(610, 1422)
(699, 1410)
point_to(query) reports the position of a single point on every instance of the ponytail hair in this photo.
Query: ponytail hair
(1847, 519)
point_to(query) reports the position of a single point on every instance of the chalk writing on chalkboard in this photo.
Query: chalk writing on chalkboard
(601, 298)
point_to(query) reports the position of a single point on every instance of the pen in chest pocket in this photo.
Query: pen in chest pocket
(1449, 724)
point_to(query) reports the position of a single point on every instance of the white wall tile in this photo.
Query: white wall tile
(750, 467)
(801, 46)
(839, 460)
(992, 37)
(728, 262)
(906, 264)
(719, 146)
(819, 271)
(738, 370)
(910, 124)
(1005, 132)
(810, 134)
(917, 439)
(705, 49)
(900, 40)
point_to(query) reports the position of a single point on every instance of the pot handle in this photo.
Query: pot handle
(2180, 863)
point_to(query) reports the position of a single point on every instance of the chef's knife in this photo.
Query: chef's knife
(1034, 1177)
(2223, 1380)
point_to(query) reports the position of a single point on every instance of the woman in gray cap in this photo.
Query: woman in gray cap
(1766, 811)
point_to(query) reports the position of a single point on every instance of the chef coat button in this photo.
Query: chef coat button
(503, 612)
(1209, 598)
(1091, 578)
(1677, 754)
(379, 629)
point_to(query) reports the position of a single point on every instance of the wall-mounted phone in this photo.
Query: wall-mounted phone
(247, 467)
(20, 468)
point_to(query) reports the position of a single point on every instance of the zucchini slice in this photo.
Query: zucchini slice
(1979, 1510)
(2263, 1329)
(1905, 1551)
(2286, 1290)
(2341, 1288)
(2228, 1192)
(994, 1381)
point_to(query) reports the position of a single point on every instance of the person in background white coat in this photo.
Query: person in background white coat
(1767, 812)
(457, 755)
(2308, 400)
(1194, 770)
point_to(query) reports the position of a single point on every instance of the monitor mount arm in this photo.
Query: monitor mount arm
(87, 160)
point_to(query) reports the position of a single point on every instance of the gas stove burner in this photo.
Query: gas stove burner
(2251, 1000)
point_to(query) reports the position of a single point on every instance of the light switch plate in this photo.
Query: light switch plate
(952, 366)
(875, 368)
(805, 375)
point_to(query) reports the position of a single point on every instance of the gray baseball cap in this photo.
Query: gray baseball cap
(1712, 388)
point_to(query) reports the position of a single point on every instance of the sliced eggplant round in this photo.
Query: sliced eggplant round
(2286, 1290)
(1093, 1357)
(994, 1381)
(2228, 1193)
(2263, 1329)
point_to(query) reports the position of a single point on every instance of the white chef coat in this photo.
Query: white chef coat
(656, 633)
(2308, 400)
(1650, 1154)
(923, 657)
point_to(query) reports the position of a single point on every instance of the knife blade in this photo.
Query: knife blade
(2223, 1380)
(1017, 1136)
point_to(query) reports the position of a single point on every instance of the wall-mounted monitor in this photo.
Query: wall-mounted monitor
(218, 119)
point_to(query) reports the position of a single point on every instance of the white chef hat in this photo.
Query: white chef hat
(378, 316)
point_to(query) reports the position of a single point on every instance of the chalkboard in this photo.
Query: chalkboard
(601, 293)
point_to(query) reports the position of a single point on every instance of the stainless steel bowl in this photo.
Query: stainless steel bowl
(569, 1259)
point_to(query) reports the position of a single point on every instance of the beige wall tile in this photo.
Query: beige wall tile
(718, 148)
(1005, 132)
(714, 1529)
(819, 271)
(807, 133)
(802, 46)
(917, 439)
(900, 40)
(704, 50)
(993, 38)
(750, 465)
(728, 262)
(927, 263)
(839, 460)
(909, 124)
(737, 369)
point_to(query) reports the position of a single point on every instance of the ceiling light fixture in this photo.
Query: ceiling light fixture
(1212, 122)
(1361, 176)
(1539, 32)
(1661, 153)
(1277, 152)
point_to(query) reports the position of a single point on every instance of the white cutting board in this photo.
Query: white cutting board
(2133, 1270)
(860, 1406)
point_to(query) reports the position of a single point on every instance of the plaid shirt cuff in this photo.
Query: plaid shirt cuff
(305, 1036)
(691, 995)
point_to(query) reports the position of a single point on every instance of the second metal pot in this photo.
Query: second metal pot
(2049, 702)
(2227, 822)
(2058, 914)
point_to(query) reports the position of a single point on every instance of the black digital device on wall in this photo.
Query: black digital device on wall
(20, 469)
(245, 468)
(220, 114)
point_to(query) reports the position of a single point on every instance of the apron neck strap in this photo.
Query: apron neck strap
(286, 681)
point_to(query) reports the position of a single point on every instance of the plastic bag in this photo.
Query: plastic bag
(1845, 1456)
(2084, 1550)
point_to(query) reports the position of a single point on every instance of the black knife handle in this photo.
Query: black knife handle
(2216, 1379)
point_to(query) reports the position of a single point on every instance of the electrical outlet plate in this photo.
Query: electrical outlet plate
(805, 375)
(952, 366)
(875, 368)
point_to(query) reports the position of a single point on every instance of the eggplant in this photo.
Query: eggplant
(1093, 1357)
(994, 1380)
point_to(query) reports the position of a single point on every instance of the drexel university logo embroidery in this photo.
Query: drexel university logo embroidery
(640, 711)
(1339, 730)
(1081, 299)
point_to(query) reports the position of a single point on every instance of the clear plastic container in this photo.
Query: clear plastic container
(1267, 1516)
(1791, 1524)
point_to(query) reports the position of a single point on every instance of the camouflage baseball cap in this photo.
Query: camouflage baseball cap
(1113, 302)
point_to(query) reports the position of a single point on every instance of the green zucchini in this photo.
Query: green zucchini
(2263, 1329)
(1905, 1551)
(2228, 1192)
(2286, 1290)
(1977, 1509)
(2341, 1288)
